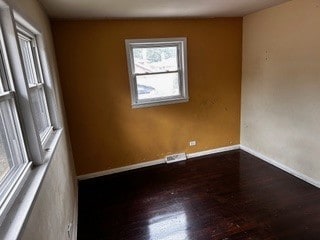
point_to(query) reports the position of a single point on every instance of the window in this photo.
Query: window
(157, 71)
(29, 124)
(13, 156)
(33, 71)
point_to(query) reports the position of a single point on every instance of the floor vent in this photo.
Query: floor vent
(176, 157)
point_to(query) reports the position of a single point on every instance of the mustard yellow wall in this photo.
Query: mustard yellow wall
(106, 132)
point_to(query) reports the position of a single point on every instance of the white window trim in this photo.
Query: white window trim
(18, 203)
(47, 74)
(27, 34)
(26, 192)
(181, 44)
(14, 56)
(16, 176)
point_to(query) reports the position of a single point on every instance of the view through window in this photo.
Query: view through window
(163, 63)
(4, 163)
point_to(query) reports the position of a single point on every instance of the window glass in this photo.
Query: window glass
(158, 59)
(38, 103)
(3, 74)
(158, 85)
(5, 155)
(28, 60)
(12, 153)
(1, 87)
(157, 71)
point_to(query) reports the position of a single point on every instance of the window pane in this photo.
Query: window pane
(11, 150)
(40, 109)
(3, 75)
(158, 85)
(4, 152)
(28, 60)
(158, 59)
(1, 86)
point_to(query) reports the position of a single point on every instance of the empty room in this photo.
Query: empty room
(159, 119)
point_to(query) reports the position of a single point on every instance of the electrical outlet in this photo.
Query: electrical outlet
(192, 143)
(69, 230)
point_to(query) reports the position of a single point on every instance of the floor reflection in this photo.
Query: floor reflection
(170, 226)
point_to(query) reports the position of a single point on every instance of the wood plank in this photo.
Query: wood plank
(231, 195)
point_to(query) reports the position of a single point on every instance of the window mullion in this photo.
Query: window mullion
(6, 96)
(36, 85)
(155, 73)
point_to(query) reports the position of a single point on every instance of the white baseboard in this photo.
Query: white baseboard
(121, 169)
(205, 153)
(155, 162)
(213, 151)
(281, 166)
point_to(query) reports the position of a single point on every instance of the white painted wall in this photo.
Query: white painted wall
(56, 203)
(281, 85)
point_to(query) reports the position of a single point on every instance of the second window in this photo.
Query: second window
(157, 71)
(32, 67)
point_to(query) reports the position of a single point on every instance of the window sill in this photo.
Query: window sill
(16, 219)
(159, 103)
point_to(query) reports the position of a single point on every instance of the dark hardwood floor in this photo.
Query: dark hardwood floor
(230, 195)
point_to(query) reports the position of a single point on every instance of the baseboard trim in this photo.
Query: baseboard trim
(212, 151)
(121, 169)
(154, 162)
(281, 166)
(205, 153)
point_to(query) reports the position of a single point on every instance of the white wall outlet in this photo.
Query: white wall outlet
(192, 143)
(69, 230)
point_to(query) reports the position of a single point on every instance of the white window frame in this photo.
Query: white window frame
(181, 45)
(18, 190)
(19, 161)
(39, 84)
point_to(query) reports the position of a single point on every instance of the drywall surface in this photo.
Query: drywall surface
(281, 85)
(106, 132)
(54, 206)
(56, 202)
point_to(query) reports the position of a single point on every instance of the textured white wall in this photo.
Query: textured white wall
(281, 85)
(55, 204)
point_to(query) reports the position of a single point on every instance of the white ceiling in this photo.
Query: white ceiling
(79, 9)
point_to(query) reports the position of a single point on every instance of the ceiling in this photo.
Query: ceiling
(84, 9)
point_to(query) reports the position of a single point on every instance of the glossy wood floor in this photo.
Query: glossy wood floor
(231, 195)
